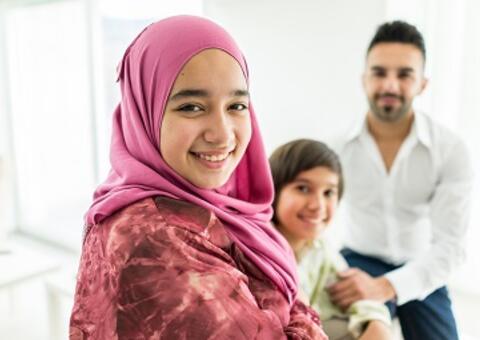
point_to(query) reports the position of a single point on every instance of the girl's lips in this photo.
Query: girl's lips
(221, 153)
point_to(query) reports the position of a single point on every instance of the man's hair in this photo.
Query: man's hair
(290, 159)
(398, 32)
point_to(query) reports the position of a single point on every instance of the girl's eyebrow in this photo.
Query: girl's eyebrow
(204, 93)
(189, 93)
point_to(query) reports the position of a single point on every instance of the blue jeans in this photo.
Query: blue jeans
(427, 319)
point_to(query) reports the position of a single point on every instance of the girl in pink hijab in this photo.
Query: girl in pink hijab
(178, 243)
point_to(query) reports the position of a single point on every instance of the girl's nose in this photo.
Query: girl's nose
(219, 130)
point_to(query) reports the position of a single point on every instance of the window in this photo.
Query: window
(61, 57)
(51, 116)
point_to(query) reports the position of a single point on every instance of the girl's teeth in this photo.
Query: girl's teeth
(213, 158)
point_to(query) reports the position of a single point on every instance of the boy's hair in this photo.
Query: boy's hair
(398, 32)
(292, 158)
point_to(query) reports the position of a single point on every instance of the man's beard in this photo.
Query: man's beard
(388, 113)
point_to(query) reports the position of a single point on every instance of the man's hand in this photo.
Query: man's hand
(354, 284)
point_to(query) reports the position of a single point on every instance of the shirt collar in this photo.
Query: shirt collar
(419, 128)
(358, 129)
(310, 246)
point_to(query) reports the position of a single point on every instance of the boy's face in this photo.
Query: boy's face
(306, 206)
(392, 79)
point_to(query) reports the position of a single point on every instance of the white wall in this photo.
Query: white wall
(306, 59)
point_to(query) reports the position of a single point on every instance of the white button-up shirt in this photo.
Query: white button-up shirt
(416, 214)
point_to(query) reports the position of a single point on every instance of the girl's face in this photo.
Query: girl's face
(306, 206)
(206, 126)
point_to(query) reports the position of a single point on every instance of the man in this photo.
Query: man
(408, 183)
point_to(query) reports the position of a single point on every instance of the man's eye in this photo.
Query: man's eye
(190, 108)
(330, 193)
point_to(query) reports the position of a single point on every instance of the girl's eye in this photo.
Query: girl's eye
(238, 107)
(190, 108)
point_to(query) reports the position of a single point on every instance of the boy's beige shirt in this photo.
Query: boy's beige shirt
(318, 266)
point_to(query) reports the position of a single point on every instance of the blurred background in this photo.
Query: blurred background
(57, 93)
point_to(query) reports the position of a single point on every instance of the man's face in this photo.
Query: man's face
(393, 78)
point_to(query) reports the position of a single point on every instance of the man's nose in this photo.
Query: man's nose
(390, 84)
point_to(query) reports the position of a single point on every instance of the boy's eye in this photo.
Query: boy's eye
(190, 108)
(303, 189)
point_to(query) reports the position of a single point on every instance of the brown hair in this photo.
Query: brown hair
(294, 157)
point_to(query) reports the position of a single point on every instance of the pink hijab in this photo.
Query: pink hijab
(146, 73)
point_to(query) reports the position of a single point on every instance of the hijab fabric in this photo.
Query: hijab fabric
(146, 74)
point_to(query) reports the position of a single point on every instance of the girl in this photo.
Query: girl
(178, 243)
(308, 184)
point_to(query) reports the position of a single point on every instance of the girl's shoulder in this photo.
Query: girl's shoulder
(159, 219)
(192, 218)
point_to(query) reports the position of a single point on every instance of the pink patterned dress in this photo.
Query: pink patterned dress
(166, 269)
